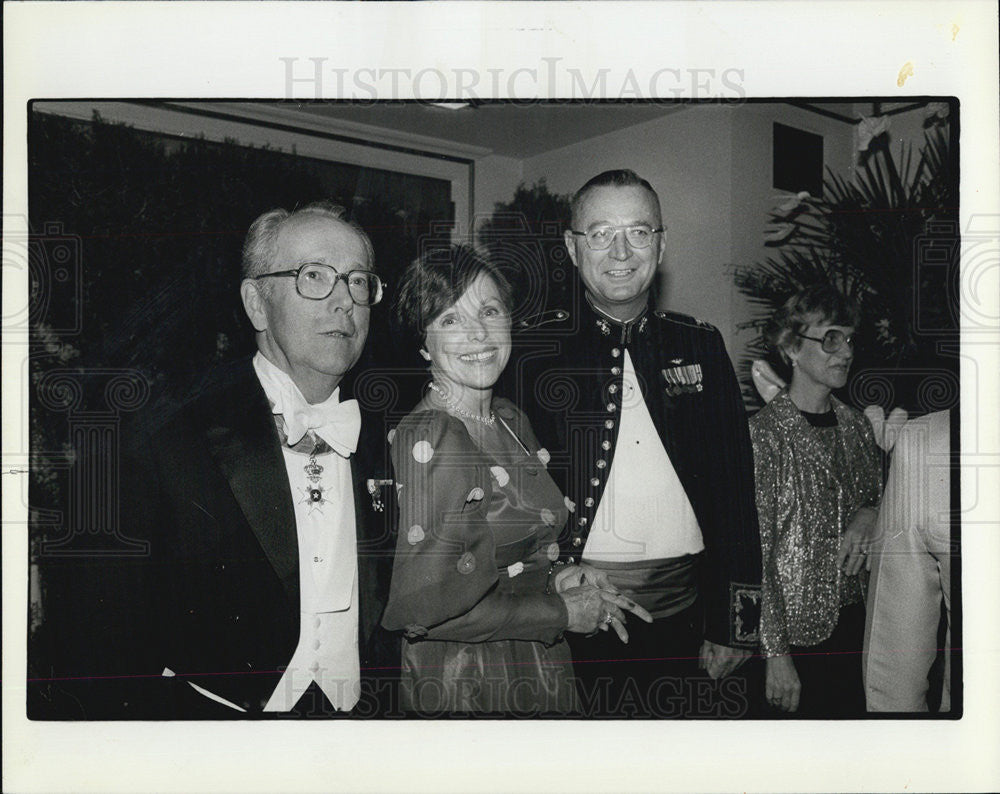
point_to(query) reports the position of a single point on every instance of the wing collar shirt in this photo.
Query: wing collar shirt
(327, 651)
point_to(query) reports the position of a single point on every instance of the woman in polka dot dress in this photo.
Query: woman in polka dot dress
(475, 587)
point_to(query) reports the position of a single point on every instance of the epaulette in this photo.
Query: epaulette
(684, 319)
(543, 318)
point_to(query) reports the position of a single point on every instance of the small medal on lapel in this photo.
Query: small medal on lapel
(696, 377)
(314, 491)
(375, 489)
(682, 378)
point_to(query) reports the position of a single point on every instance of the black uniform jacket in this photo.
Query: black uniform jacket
(567, 375)
(215, 598)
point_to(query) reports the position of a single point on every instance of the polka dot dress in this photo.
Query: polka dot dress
(478, 532)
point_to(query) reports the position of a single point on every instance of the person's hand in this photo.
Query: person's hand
(720, 660)
(588, 611)
(591, 609)
(853, 551)
(782, 687)
(583, 574)
(767, 381)
(567, 577)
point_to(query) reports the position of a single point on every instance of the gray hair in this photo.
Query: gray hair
(261, 241)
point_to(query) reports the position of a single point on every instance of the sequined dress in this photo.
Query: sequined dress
(810, 482)
(477, 533)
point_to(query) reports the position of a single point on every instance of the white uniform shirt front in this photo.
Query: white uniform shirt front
(644, 513)
(327, 651)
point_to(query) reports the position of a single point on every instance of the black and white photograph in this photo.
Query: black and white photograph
(652, 404)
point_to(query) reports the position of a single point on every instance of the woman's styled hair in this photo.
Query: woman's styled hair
(819, 304)
(436, 280)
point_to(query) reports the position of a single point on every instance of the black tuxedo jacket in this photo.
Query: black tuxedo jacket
(216, 598)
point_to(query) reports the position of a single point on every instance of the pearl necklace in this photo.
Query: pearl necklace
(489, 421)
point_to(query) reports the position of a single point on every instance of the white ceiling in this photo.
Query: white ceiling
(515, 130)
(512, 130)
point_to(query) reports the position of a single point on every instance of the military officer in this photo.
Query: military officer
(643, 418)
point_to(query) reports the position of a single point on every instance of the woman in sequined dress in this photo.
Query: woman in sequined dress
(476, 588)
(818, 483)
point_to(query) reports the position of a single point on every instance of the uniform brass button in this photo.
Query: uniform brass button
(594, 482)
(601, 463)
(612, 388)
(616, 370)
(577, 542)
(611, 407)
(615, 352)
(605, 445)
(583, 521)
(589, 501)
(500, 475)
(609, 424)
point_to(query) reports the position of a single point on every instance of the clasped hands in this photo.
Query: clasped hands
(593, 603)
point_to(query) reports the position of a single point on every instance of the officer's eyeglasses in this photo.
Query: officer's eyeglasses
(316, 282)
(832, 340)
(600, 238)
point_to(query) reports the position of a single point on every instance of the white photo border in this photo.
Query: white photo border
(197, 50)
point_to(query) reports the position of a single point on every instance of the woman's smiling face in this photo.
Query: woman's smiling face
(468, 344)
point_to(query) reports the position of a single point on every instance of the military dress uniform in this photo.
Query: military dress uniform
(667, 380)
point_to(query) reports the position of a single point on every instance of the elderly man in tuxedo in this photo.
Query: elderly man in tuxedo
(261, 504)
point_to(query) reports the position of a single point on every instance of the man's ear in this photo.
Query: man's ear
(425, 354)
(254, 304)
(570, 240)
(663, 248)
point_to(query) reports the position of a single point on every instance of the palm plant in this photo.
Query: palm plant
(869, 236)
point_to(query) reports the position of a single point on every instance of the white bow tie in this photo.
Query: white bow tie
(338, 424)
